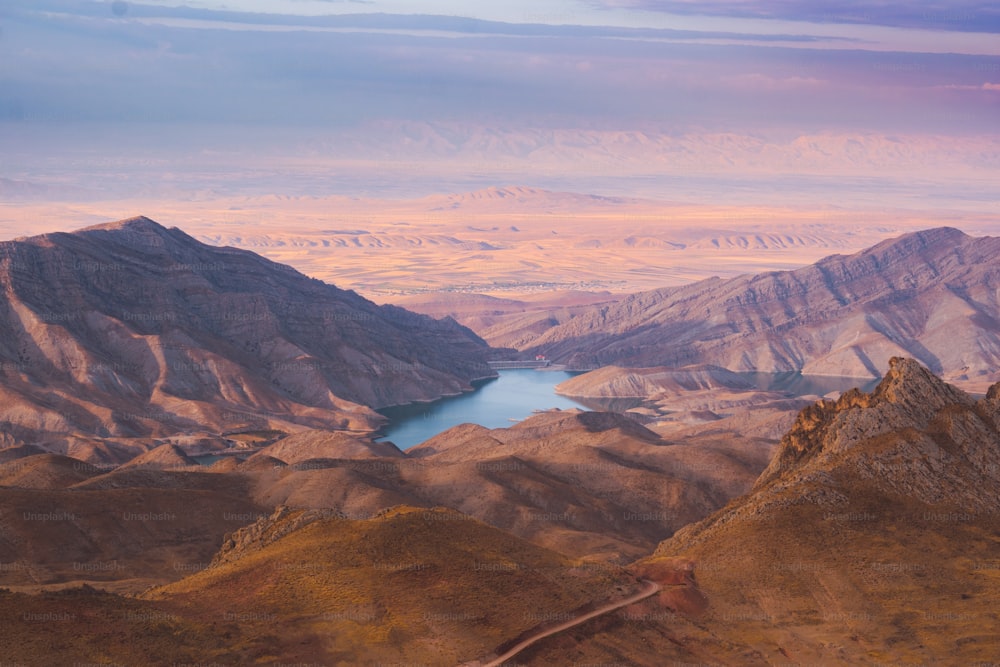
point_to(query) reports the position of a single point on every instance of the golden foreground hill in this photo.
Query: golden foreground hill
(872, 538)
(431, 586)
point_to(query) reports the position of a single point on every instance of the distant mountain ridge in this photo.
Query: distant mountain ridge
(130, 329)
(931, 295)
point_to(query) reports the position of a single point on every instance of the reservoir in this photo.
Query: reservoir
(496, 403)
(797, 384)
(515, 394)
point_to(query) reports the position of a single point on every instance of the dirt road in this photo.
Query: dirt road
(652, 588)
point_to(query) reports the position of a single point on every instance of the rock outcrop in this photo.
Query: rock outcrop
(914, 435)
(871, 537)
(266, 530)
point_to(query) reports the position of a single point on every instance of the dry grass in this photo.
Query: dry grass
(417, 585)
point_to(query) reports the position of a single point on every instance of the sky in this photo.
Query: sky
(960, 15)
(509, 84)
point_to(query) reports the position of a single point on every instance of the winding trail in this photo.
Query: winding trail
(651, 589)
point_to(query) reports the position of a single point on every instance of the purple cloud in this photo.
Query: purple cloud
(953, 15)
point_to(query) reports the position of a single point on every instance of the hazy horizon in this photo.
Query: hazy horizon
(767, 103)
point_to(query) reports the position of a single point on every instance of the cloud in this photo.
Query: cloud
(87, 66)
(989, 87)
(757, 81)
(953, 15)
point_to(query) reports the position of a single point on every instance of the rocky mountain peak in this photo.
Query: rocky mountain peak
(909, 396)
(138, 233)
(914, 444)
(993, 395)
(138, 223)
(909, 383)
(944, 235)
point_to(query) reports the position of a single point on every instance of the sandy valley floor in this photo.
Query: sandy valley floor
(506, 241)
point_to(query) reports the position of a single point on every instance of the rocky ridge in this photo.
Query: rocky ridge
(929, 295)
(915, 440)
(130, 330)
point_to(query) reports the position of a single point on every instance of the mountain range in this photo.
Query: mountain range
(930, 295)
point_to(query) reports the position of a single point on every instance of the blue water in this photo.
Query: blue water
(513, 396)
(496, 403)
(797, 384)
